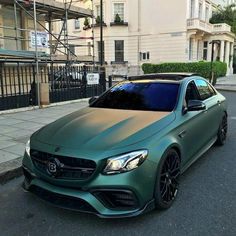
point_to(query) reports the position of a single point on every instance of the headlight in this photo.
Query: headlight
(125, 163)
(27, 148)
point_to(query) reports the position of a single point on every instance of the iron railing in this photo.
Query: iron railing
(18, 83)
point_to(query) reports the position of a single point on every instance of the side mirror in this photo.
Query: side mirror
(92, 99)
(196, 105)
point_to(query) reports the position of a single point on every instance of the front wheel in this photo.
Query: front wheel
(222, 132)
(167, 183)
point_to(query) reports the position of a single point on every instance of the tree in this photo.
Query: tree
(225, 15)
(86, 22)
(117, 18)
(98, 20)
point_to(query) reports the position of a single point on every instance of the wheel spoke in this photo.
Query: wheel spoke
(164, 174)
(169, 175)
(164, 193)
(173, 171)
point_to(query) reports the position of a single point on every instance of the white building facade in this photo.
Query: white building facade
(154, 31)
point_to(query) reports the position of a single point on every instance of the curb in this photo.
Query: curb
(43, 106)
(10, 170)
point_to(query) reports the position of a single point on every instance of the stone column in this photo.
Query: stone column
(209, 48)
(196, 10)
(227, 55)
(231, 57)
(203, 10)
(44, 94)
(222, 50)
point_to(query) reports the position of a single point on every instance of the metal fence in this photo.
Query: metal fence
(68, 83)
(18, 84)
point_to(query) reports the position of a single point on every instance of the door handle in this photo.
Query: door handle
(219, 103)
(182, 133)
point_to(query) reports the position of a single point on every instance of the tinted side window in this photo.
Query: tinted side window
(191, 92)
(204, 89)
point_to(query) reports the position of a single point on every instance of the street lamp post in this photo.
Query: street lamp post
(213, 42)
(101, 34)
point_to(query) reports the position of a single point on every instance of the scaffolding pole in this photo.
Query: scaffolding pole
(36, 53)
(93, 33)
(63, 28)
(16, 25)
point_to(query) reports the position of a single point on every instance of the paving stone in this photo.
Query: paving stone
(19, 134)
(4, 129)
(21, 116)
(3, 138)
(43, 120)
(17, 149)
(10, 121)
(7, 156)
(27, 125)
(6, 143)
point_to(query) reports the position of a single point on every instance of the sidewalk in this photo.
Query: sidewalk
(227, 83)
(15, 130)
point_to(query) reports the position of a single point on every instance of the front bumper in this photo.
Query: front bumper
(81, 197)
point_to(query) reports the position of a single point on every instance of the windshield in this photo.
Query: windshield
(152, 96)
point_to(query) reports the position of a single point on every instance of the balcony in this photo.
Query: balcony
(221, 28)
(197, 24)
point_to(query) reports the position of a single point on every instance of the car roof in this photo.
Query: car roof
(177, 77)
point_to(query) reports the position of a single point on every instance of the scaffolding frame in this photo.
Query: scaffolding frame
(39, 6)
(69, 12)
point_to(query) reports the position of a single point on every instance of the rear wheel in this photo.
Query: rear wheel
(222, 132)
(167, 182)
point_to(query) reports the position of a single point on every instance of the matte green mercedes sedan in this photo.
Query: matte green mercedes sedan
(123, 155)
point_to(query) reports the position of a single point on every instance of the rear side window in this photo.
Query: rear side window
(204, 89)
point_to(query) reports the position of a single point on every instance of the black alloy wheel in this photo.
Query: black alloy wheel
(222, 132)
(168, 180)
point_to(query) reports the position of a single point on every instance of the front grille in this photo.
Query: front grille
(66, 167)
(62, 200)
(117, 199)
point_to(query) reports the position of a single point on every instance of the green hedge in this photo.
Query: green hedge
(201, 68)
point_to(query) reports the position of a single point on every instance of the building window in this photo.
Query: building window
(207, 14)
(200, 11)
(190, 49)
(192, 8)
(119, 9)
(205, 49)
(99, 51)
(77, 24)
(144, 56)
(119, 50)
(98, 11)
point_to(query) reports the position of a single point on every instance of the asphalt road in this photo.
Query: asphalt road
(206, 204)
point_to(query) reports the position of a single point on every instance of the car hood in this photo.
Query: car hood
(103, 129)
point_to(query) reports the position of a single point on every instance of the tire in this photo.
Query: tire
(167, 182)
(222, 132)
